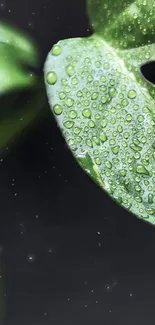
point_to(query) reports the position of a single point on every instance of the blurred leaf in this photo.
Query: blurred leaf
(17, 54)
(22, 95)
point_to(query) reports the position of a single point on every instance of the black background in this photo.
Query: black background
(70, 254)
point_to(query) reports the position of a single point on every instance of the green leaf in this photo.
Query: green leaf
(123, 23)
(104, 106)
(107, 120)
(17, 53)
(129, 27)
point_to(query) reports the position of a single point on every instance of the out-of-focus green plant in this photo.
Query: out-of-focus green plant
(22, 93)
(17, 53)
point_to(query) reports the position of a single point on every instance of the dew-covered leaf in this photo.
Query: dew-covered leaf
(124, 24)
(107, 119)
(17, 53)
(129, 27)
(103, 104)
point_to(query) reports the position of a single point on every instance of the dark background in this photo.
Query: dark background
(71, 255)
